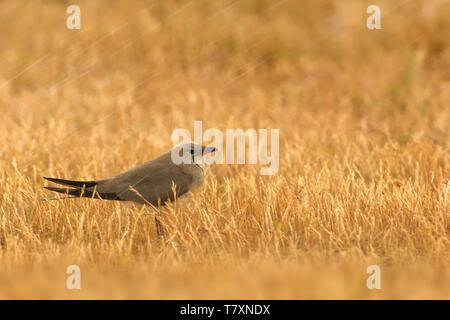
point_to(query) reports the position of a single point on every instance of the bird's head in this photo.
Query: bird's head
(191, 152)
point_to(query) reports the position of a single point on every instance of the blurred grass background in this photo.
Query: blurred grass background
(364, 167)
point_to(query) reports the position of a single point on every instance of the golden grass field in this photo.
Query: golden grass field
(364, 121)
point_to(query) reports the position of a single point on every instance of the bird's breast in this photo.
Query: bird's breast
(196, 174)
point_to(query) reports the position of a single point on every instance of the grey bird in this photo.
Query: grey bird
(153, 183)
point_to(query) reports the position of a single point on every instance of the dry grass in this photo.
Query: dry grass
(364, 121)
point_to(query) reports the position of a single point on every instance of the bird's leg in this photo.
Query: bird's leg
(160, 230)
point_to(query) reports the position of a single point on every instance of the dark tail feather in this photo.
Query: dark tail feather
(81, 192)
(71, 183)
(71, 192)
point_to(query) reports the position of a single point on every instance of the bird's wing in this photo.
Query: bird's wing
(149, 183)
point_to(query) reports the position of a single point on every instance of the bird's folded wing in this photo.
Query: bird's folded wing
(149, 184)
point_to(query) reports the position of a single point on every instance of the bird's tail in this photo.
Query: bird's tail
(73, 193)
(80, 189)
(72, 183)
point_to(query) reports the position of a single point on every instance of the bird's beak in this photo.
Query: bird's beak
(209, 150)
